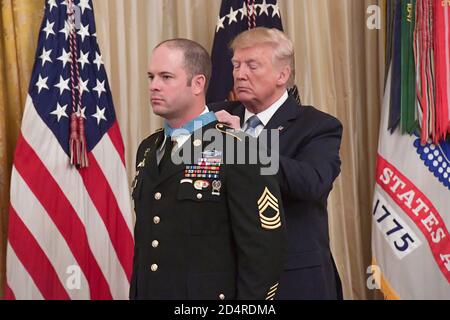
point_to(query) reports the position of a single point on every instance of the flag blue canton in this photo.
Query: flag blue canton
(51, 77)
(234, 19)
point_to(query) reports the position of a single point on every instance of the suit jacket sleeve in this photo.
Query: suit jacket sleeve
(258, 232)
(310, 173)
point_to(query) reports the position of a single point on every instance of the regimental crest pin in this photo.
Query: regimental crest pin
(216, 186)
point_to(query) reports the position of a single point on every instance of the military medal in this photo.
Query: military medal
(206, 168)
(201, 184)
(216, 185)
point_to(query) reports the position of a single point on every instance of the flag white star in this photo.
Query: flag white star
(65, 57)
(243, 11)
(98, 60)
(64, 3)
(48, 29)
(82, 86)
(82, 113)
(99, 115)
(84, 59)
(220, 23)
(84, 31)
(45, 56)
(63, 85)
(232, 16)
(276, 10)
(66, 29)
(95, 35)
(264, 8)
(60, 111)
(84, 4)
(42, 84)
(100, 87)
(52, 3)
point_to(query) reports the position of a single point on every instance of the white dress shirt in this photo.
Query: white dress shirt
(266, 115)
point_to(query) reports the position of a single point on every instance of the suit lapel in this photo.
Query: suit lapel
(289, 111)
(281, 120)
(151, 162)
(240, 112)
(171, 169)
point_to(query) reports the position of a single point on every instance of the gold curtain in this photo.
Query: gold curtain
(19, 27)
(340, 70)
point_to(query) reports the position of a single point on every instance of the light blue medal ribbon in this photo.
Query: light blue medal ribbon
(191, 126)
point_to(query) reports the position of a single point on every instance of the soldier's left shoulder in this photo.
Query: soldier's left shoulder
(150, 140)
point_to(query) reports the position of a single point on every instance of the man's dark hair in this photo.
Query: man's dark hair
(196, 58)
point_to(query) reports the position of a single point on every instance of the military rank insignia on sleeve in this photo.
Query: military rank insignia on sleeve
(269, 211)
(272, 292)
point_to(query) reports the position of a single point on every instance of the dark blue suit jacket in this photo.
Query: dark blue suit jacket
(309, 163)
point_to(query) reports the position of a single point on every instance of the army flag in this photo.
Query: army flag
(411, 214)
(235, 17)
(411, 211)
(442, 61)
(70, 226)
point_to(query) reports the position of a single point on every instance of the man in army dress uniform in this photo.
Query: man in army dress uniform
(208, 228)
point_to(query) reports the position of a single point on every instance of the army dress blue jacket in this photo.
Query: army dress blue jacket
(205, 230)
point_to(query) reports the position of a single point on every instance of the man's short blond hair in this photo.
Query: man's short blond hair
(283, 47)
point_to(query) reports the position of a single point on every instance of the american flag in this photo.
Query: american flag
(70, 228)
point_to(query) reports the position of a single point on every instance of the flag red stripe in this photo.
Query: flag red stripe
(103, 198)
(116, 138)
(9, 294)
(62, 214)
(34, 259)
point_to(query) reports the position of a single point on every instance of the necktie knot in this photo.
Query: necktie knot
(253, 122)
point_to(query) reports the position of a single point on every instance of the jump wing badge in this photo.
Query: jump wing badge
(266, 204)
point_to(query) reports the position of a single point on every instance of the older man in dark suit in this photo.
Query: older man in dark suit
(309, 142)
